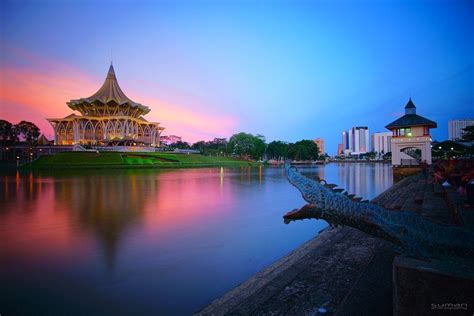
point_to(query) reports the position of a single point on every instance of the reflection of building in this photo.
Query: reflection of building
(381, 142)
(455, 128)
(107, 204)
(170, 139)
(108, 117)
(410, 135)
(320, 143)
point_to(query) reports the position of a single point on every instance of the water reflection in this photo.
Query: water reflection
(149, 241)
(363, 179)
(105, 206)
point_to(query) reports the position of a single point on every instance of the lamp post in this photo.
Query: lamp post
(17, 161)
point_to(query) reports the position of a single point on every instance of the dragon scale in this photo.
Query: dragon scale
(418, 236)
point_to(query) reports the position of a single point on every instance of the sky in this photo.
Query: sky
(288, 70)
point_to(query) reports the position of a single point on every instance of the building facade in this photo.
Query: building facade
(360, 139)
(411, 139)
(345, 141)
(107, 118)
(455, 128)
(320, 143)
(381, 142)
(356, 140)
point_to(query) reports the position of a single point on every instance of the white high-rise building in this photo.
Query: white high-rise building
(359, 139)
(381, 142)
(455, 128)
(356, 140)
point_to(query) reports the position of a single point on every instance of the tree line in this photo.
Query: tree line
(11, 134)
(248, 146)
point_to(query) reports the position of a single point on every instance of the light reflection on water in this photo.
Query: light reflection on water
(148, 241)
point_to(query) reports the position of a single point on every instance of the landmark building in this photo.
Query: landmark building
(107, 118)
(381, 142)
(411, 139)
(455, 128)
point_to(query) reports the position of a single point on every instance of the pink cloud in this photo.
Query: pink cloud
(41, 91)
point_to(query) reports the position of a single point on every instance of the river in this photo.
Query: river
(150, 241)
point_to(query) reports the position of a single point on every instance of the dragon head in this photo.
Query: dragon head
(312, 191)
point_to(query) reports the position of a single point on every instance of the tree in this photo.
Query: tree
(8, 133)
(277, 150)
(247, 146)
(181, 145)
(372, 155)
(303, 150)
(468, 134)
(28, 131)
(200, 145)
(217, 147)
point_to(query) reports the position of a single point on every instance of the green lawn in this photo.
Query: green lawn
(131, 160)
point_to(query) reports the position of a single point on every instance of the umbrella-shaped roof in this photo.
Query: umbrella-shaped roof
(110, 91)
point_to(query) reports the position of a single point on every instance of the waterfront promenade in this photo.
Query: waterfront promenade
(341, 271)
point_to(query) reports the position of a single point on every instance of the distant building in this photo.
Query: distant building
(339, 149)
(360, 139)
(455, 128)
(345, 140)
(356, 140)
(170, 139)
(43, 141)
(410, 135)
(381, 142)
(320, 143)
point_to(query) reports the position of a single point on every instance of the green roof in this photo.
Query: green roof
(409, 120)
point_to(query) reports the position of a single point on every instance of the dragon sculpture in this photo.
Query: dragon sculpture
(415, 235)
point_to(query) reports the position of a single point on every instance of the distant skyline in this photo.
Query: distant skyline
(288, 70)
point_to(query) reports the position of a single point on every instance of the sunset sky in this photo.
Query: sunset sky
(288, 70)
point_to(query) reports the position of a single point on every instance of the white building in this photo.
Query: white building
(411, 139)
(356, 140)
(359, 139)
(455, 128)
(381, 142)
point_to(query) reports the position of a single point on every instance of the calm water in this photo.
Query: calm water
(149, 241)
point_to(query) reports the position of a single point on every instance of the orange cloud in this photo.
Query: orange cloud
(41, 92)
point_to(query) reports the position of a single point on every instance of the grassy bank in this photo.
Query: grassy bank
(85, 160)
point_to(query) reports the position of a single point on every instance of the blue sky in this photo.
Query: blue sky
(285, 69)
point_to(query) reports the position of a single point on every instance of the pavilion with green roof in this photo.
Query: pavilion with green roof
(411, 139)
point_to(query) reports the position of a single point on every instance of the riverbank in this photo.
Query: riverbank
(341, 271)
(120, 160)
